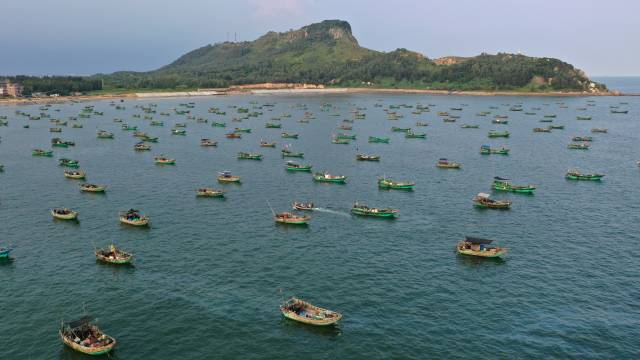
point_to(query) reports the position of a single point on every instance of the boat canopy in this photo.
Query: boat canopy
(499, 178)
(477, 240)
(483, 195)
(82, 322)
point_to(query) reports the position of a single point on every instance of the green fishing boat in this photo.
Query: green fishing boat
(577, 175)
(272, 126)
(157, 123)
(291, 166)
(578, 146)
(363, 210)
(104, 135)
(504, 185)
(411, 135)
(374, 139)
(326, 177)
(242, 130)
(340, 141)
(496, 134)
(386, 183)
(68, 162)
(467, 126)
(178, 132)
(40, 152)
(487, 150)
(399, 129)
(249, 156)
(289, 153)
(582, 138)
(289, 136)
(345, 137)
(557, 127)
(218, 124)
(583, 117)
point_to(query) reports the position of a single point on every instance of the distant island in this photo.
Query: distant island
(327, 54)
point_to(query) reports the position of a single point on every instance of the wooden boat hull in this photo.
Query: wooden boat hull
(584, 177)
(335, 181)
(139, 222)
(388, 215)
(232, 179)
(484, 254)
(99, 189)
(114, 261)
(94, 351)
(71, 216)
(304, 169)
(293, 316)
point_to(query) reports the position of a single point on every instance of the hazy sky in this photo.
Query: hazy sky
(90, 36)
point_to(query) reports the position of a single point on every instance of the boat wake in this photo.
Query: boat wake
(325, 210)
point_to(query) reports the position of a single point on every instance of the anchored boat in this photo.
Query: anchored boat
(92, 188)
(363, 210)
(64, 214)
(113, 255)
(387, 183)
(161, 160)
(208, 142)
(575, 174)
(483, 200)
(292, 166)
(133, 217)
(364, 157)
(374, 139)
(74, 174)
(249, 156)
(326, 177)
(291, 218)
(302, 311)
(85, 337)
(226, 177)
(474, 246)
(504, 185)
(446, 164)
(209, 192)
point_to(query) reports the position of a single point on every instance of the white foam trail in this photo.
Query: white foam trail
(325, 210)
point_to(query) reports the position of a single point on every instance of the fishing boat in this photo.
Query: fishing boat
(575, 174)
(127, 127)
(387, 183)
(218, 124)
(583, 117)
(291, 166)
(326, 177)
(551, 116)
(102, 134)
(302, 311)
(363, 210)
(113, 255)
(233, 136)
(345, 127)
(302, 206)
(64, 214)
(209, 192)
(226, 177)
(619, 111)
(467, 126)
(264, 143)
(584, 146)
(582, 138)
(162, 160)
(346, 136)
(178, 132)
(500, 121)
(599, 130)
(55, 130)
(291, 218)
(422, 123)
(375, 139)
(56, 142)
(411, 135)
(74, 174)
(446, 164)
(487, 150)
(340, 141)
(474, 246)
(241, 130)
(68, 162)
(399, 129)
(288, 153)
(249, 156)
(557, 127)
(141, 146)
(495, 134)
(86, 187)
(4, 253)
(208, 142)
(148, 138)
(133, 217)
(504, 185)
(483, 200)
(83, 336)
(157, 123)
(40, 152)
(272, 126)
(364, 157)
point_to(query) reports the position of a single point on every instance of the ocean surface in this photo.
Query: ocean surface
(209, 274)
(624, 84)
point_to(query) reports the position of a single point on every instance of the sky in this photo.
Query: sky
(79, 37)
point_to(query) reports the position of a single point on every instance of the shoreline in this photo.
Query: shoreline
(257, 91)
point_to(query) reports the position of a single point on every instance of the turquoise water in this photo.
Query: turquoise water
(210, 274)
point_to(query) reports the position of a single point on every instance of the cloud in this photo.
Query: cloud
(278, 8)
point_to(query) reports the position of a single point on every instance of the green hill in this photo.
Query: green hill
(328, 53)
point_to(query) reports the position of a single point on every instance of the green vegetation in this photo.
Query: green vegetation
(62, 85)
(327, 53)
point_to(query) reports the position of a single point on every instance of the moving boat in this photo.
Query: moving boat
(83, 336)
(363, 210)
(482, 200)
(387, 183)
(92, 188)
(374, 139)
(113, 255)
(64, 214)
(292, 166)
(208, 142)
(291, 218)
(326, 177)
(504, 185)
(209, 192)
(364, 157)
(133, 217)
(226, 177)
(575, 174)
(474, 246)
(446, 164)
(249, 156)
(302, 206)
(302, 311)
(162, 160)
(74, 174)
(40, 152)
